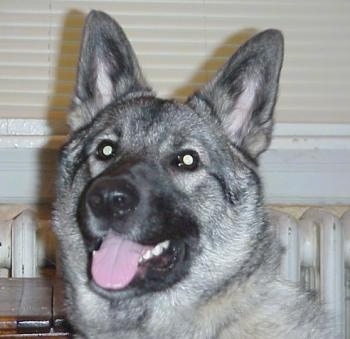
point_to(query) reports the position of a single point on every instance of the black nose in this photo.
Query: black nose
(110, 198)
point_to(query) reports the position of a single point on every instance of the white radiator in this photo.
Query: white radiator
(26, 244)
(317, 253)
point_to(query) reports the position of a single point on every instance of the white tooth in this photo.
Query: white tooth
(141, 260)
(147, 255)
(165, 244)
(157, 250)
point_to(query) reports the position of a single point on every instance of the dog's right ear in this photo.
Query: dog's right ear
(242, 95)
(107, 69)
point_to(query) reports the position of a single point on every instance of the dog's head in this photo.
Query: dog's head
(155, 195)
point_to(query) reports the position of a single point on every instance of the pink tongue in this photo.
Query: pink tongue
(115, 264)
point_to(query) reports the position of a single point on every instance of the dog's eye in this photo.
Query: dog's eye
(187, 160)
(106, 150)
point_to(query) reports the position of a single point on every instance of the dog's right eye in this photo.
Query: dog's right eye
(186, 160)
(106, 150)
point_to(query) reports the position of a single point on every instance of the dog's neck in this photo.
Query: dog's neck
(226, 310)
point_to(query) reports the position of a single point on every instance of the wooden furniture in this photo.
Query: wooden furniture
(31, 307)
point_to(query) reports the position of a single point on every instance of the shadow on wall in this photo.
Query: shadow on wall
(214, 61)
(63, 87)
(59, 103)
(65, 70)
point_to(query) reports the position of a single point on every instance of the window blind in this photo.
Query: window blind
(180, 44)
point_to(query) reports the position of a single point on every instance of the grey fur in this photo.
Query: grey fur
(230, 287)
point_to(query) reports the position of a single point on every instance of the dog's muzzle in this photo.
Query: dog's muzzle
(112, 199)
(137, 239)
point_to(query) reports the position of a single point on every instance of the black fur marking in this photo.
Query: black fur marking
(245, 155)
(82, 140)
(71, 166)
(229, 196)
(175, 224)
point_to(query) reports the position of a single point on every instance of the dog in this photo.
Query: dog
(159, 213)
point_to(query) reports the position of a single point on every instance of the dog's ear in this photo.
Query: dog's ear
(243, 93)
(107, 69)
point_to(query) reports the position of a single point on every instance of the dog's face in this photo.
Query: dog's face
(159, 200)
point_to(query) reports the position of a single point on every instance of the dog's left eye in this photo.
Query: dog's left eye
(106, 150)
(187, 160)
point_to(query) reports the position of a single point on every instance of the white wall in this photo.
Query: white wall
(306, 163)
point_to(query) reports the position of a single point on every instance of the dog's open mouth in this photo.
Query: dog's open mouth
(120, 263)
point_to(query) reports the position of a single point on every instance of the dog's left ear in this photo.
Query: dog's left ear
(107, 69)
(243, 93)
